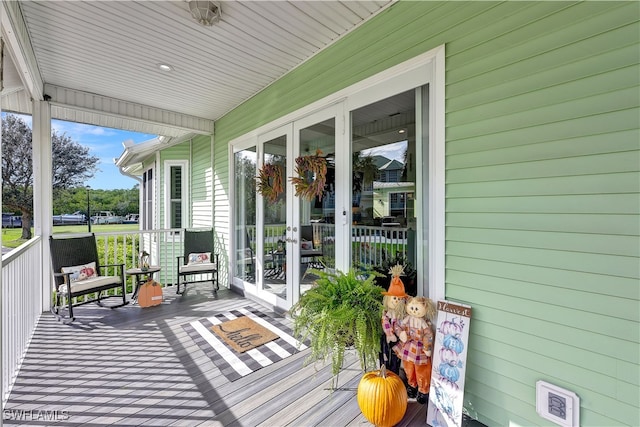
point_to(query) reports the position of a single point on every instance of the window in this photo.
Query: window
(397, 204)
(175, 194)
(175, 201)
(147, 200)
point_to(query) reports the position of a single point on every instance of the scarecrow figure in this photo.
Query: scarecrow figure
(393, 302)
(416, 335)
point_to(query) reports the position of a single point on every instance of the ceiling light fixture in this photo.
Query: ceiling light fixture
(401, 131)
(205, 12)
(165, 67)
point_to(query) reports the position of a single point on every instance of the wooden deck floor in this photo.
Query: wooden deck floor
(132, 367)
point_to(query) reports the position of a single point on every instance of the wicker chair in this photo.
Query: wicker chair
(77, 272)
(198, 259)
(310, 252)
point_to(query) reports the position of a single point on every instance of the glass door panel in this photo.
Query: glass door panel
(383, 151)
(274, 214)
(245, 166)
(316, 217)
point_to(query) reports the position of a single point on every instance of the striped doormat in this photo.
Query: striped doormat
(232, 364)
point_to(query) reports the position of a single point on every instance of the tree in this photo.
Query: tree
(72, 166)
(245, 169)
(122, 202)
(364, 170)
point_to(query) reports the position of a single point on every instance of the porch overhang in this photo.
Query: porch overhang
(133, 155)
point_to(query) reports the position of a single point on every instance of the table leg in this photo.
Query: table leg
(139, 283)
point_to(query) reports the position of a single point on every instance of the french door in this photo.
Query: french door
(383, 202)
(369, 212)
(284, 236)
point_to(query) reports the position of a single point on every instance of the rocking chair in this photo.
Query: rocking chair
(77, 272)
(198, 259)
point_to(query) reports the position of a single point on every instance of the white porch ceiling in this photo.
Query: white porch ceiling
(97, 60)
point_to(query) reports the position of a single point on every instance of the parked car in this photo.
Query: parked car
(107, 217)
(70, 219)
(10, 220)
(131, 219)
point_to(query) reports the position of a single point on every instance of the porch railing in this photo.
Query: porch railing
(21, 306)
(163, 247)
(23, 288)
(370, 245)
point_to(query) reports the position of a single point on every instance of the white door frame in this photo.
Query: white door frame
(271, 298)
(425, 69)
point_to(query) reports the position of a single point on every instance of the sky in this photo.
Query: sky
(394, 151)
(104, 143)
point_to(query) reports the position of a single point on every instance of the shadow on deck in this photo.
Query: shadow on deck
(133, 367)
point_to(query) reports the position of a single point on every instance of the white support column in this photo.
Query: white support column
(1, 287)
(43, 190)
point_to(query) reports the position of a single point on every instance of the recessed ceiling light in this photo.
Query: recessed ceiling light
(401, 131)
(164, 67)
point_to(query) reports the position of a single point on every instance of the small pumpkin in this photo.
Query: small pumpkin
(453, 343)
(449, 372)
(451, 327)
(382, 397)
(150, 294)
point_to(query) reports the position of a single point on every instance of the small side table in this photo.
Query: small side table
(141, 277)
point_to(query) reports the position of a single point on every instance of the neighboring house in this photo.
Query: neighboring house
(527, 180)
(387, 194)
(388, 170)
(390, 198)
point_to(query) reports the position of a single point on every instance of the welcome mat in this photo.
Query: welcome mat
(232, 364)
(243, 334)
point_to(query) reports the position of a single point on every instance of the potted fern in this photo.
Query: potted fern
(340, 311)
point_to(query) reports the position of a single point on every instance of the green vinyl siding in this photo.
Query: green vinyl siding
(221, 206)
(201, 182)
(542, 187)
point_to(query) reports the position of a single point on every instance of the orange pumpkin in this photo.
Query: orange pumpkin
(382, 397)
(150, 294)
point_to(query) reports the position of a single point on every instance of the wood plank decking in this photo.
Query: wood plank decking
(133, 367)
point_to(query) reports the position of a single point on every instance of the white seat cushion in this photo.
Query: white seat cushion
(94, 282)
(195, 268)
(307, 253)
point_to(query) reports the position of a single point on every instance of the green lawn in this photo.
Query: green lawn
(11, 236)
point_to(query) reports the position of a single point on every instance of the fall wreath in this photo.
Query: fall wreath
(312, 176)
(270, 182)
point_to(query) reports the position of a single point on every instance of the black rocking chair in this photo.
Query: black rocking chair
(198, 259)
(77, 272)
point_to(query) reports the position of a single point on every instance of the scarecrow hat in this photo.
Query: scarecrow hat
(396, 288)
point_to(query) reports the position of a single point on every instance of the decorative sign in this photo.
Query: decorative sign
(449, 364)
